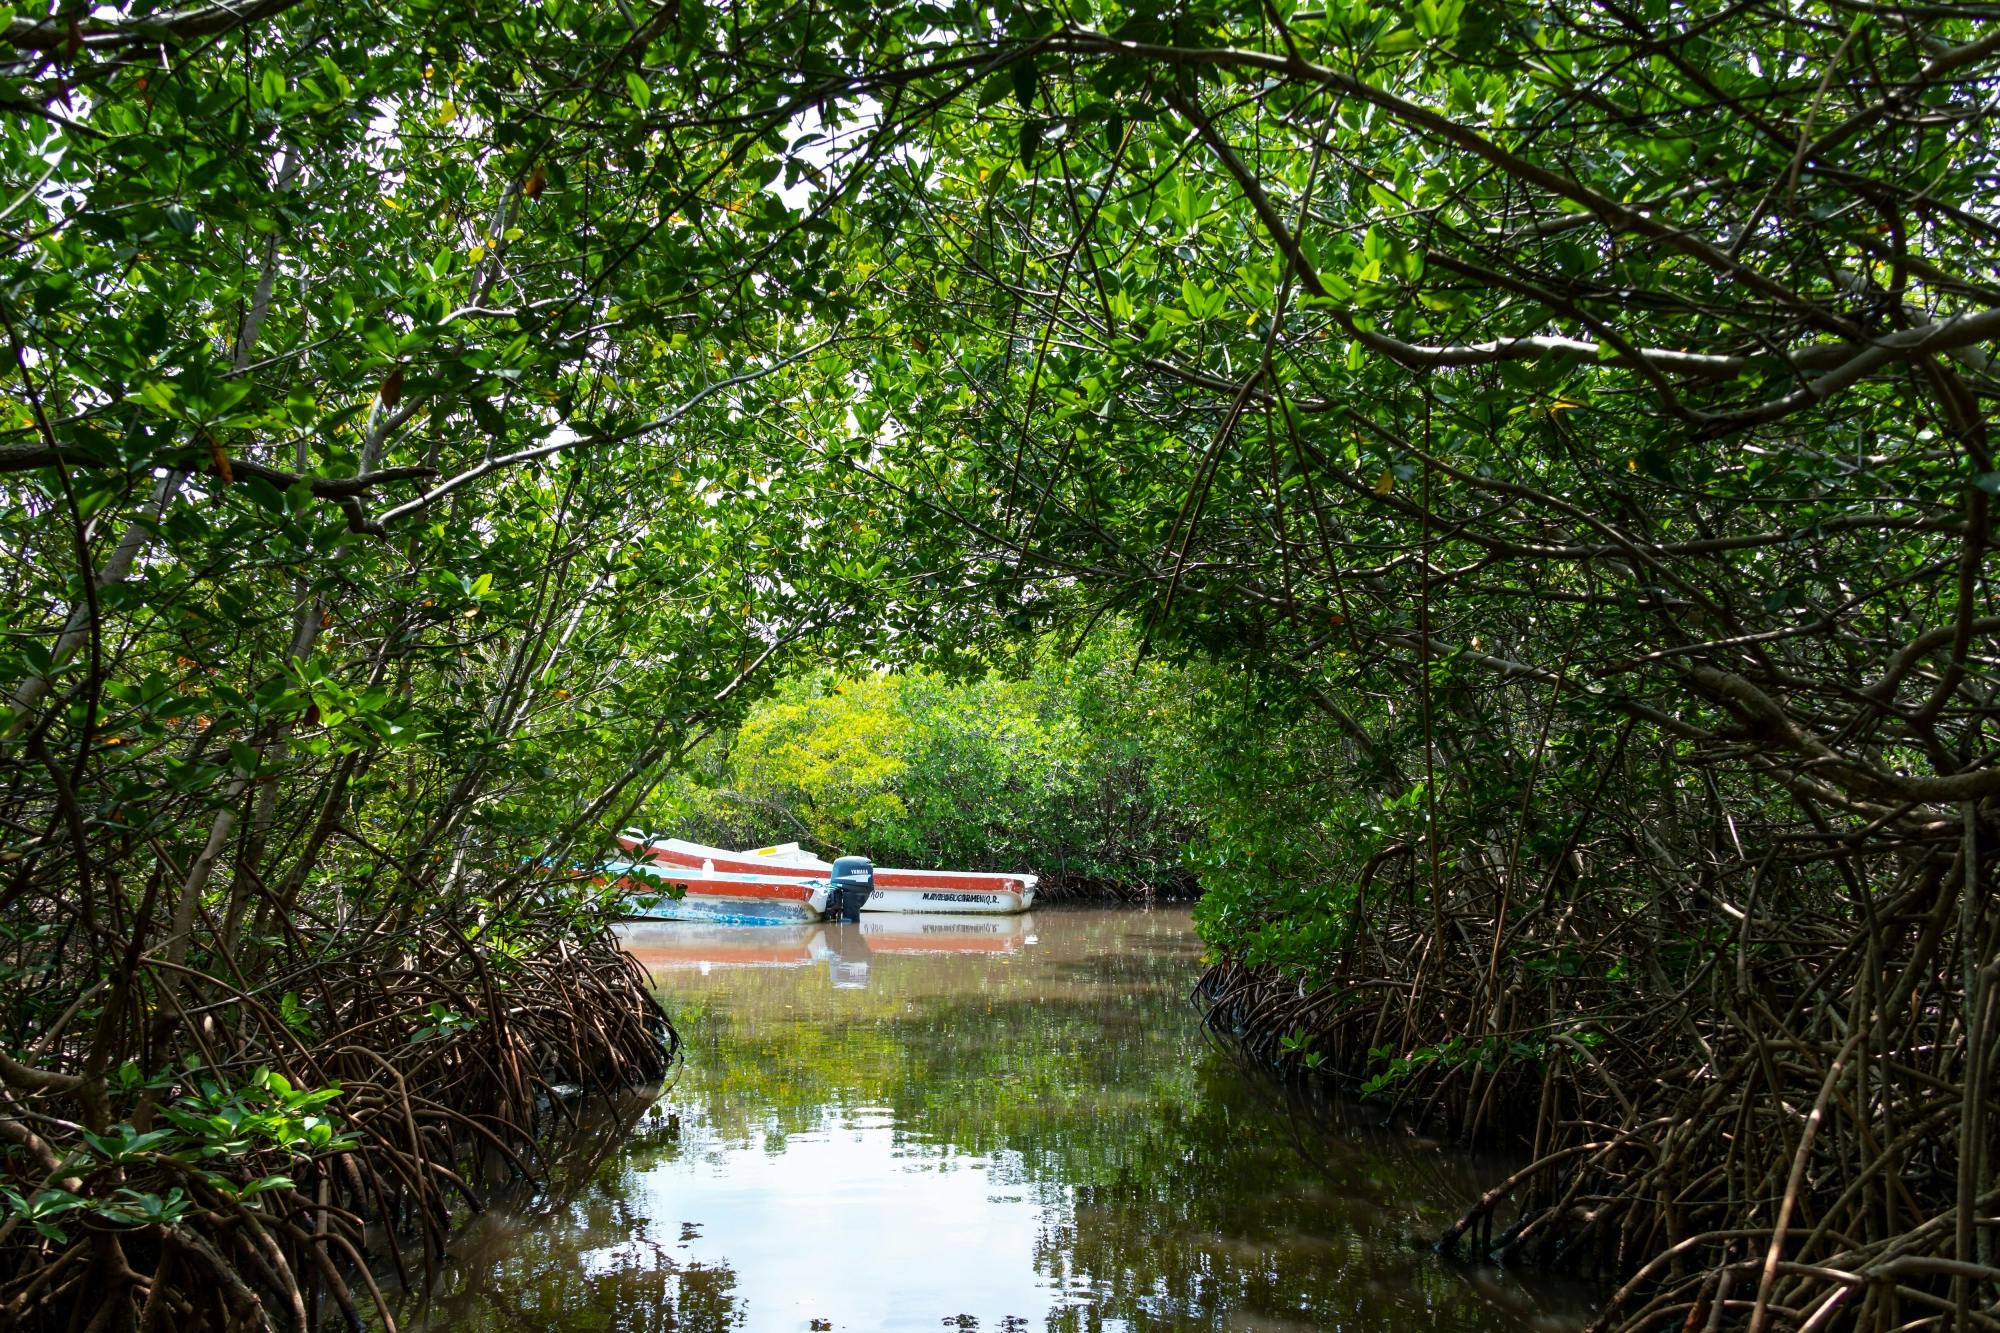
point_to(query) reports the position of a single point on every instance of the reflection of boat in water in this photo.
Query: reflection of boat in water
(893, 890)
(945, 932)
(845, 947)
(681, 945)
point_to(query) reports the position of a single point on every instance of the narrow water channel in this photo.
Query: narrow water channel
(1000, 1124)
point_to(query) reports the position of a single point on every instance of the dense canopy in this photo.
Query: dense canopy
(1562, 431)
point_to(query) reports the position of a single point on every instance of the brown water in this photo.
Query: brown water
(999, 1124)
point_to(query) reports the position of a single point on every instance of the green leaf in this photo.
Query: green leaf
(1026, 83)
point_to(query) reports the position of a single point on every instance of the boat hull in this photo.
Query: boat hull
(735, 900)
(896, 890)
(722, 912)
(942, 901)
(957, 932)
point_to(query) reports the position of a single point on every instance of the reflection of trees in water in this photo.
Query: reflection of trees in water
(587, 1258)
(598, 1265)
(1243, 1202)
(1030, 1054)
(640, 1297)
(1176, 1190)
(1215, 1218)
(1175, 1187)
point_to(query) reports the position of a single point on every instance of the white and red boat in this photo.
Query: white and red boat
(991, 892)
(658, 891)
(954, 933)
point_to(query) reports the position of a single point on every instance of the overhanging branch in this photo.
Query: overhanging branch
(31, 458)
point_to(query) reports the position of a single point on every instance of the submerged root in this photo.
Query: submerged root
(219, 1194)
(1786, 1126)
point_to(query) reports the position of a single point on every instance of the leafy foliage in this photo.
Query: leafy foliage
(1080, 771)
(1566, 427)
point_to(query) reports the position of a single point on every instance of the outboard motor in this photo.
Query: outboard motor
(853, 881)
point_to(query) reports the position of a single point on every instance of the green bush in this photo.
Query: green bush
(1070, 769)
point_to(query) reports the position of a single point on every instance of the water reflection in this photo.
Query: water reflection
(1002, 1124)
(846, 948)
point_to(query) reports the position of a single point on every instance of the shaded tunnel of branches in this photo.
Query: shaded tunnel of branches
(1629, 556)
(1574, 420)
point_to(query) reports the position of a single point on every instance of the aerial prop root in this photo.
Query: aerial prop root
(1747, 1116)
(461, 1073)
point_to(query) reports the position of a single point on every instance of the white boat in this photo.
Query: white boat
(708, 894)
(955, 891)
(925, 932)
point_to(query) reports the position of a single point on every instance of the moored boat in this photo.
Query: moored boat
(895, 890)
(912, 932)
(706, 894)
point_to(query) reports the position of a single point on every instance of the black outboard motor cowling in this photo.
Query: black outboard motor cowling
(853, 881)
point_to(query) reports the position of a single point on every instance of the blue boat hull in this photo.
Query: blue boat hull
(722, 913)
